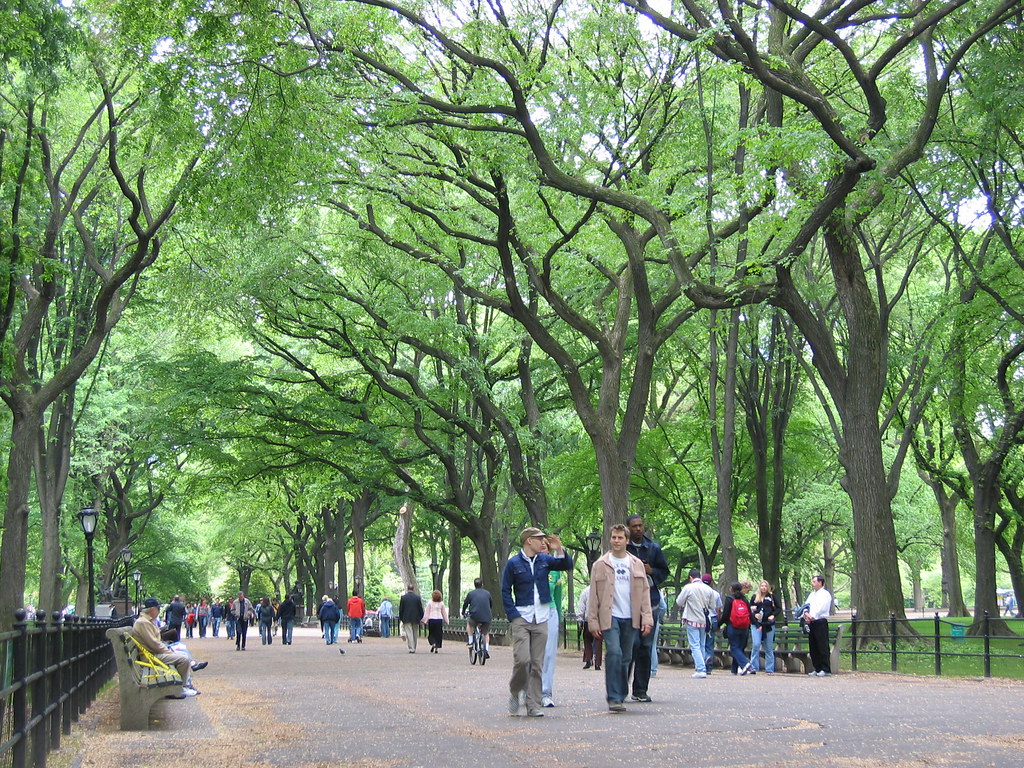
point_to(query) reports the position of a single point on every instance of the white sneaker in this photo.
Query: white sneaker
(822, 673)
(746, 668)
(547, 701)
(190, 691)
(699, 674)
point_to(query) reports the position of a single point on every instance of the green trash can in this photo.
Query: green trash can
(958, 632)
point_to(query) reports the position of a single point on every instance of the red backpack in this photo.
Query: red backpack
(739, 614)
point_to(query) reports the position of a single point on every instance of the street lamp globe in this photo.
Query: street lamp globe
(87, 518)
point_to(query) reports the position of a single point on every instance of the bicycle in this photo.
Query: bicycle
(477, 649)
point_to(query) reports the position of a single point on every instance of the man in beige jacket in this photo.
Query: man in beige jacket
(620, 605)
(147, 633)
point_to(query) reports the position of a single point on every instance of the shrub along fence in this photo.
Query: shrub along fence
(51, 670)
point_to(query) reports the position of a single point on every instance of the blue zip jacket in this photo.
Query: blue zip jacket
(519, 578)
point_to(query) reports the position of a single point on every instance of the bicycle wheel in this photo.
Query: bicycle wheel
(472, 654)
(482, 655)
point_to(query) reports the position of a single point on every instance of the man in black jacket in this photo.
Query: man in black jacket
(648, 551)
(174, 615)
(286, 616)
(410, 613)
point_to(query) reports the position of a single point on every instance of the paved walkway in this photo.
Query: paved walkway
(307, 706)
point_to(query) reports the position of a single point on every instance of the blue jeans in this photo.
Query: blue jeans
(737, 644)
(267, 632)
(202, 624)
(385, 626)
(216, 625)
(763, 636)
(231, 627)
(659, 611)
(547, 672)
(331, 631)
(355, 624)
(618, 652)
(696, 638)
(286, 630)
(709, 647)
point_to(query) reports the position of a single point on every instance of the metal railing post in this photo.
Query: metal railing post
(853, 642)
(988, 645)
(938, 645)
(19, 671)
(892, 639)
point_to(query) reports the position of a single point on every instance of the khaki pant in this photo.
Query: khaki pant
(181, 662)
(411, 630)
(528, 643)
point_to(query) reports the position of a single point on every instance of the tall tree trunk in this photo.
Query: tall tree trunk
(401, 547)
(723, 439)
(24, 435)
(952, 590)
(454, 572)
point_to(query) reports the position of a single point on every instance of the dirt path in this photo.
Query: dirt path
(307, 706)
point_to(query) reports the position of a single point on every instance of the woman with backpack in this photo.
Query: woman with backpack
(735, 617)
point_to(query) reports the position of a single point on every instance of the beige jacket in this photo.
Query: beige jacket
(602, 594)
(148, 634)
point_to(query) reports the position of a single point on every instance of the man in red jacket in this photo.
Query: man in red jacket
(356, 612)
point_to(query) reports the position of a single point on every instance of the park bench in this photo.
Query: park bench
(455, 630)
(141, 682)
(791, 649)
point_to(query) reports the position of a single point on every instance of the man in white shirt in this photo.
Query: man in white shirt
(697, 601)
(819, 607)
(620, 605)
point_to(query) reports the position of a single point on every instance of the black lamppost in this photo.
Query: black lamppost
(358, 580)
(87, 518)
(137, 578)
(126, 557)
(592, 548)
(434, 568)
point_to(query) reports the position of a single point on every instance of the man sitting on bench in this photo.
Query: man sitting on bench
(147, 633)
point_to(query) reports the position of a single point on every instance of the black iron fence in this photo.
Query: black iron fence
(52, 669)
(933, 646)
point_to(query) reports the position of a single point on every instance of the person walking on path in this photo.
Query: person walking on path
(174, 615)
(736, 620)
(591, 644)
(645, 549)
(286, 616)
(478, 609)
(244, 614)
(819, 607)
(619, 607)
(266, 615)
(526, 597)
(329, 615)
(356, 610)
(410, 614)
(697, 603)
(384, 613)
(763, 610)
(435, 617)
(216, 616)
(203, 616)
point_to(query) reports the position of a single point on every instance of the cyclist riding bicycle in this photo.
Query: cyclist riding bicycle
(477, 610)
